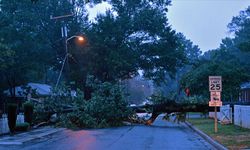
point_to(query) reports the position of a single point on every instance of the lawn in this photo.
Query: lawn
(231, 136)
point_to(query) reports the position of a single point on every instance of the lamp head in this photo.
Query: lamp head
(80, 38)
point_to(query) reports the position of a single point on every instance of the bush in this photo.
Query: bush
(41, 113)
(106, 108)
(28, 112)
(22, 126)
(59, 100)
(195, 100)
(12, 116)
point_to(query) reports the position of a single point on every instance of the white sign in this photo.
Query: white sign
(215, 84)
(215, 96)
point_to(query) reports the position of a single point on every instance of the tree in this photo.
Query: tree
(192, 52)
(233, 74)
(135, 42)
(239, 45)
(6, 60)
(171, 86)
(34, 38)
(240, 26)
(141, 38)
(230, 60)
(124, 40)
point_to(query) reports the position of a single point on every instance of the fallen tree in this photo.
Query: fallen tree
(171, 106)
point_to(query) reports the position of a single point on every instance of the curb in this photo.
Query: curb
(5, 141)
(206, 137)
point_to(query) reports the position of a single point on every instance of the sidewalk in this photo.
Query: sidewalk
(22, 138)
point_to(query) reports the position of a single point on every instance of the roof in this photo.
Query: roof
(245, 85)
(41, 89)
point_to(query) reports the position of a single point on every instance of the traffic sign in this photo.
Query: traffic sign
(215, 96)
(215, 87)
(215, 103)
(215, 84)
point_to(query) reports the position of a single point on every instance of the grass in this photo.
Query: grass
(231, 136)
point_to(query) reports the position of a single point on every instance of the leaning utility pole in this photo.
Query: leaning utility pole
(64, 33)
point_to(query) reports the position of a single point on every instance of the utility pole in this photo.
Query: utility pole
(64, 33)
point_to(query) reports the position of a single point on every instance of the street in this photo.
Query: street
(161, 135)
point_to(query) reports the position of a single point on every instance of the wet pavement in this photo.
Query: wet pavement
(162, 135)
(35, 134)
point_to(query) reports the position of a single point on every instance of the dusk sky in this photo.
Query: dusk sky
(202, 21)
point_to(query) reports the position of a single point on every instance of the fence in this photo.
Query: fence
(4, 128)
(225, 115)
(242, 116)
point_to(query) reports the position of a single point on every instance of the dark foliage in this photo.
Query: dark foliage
(12, 116)
(22, 126)
(106, 108)
(28, 112)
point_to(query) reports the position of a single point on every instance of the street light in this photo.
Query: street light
(80, 38)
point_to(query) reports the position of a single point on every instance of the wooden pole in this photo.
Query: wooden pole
(215, 120)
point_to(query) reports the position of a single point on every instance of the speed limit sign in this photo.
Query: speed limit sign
(215, 88)
(215, 84)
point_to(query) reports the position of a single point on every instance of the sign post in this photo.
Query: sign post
(215, 88)
(215, 120)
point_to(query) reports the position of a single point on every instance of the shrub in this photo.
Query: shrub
(59, 100)
(106, 108)
(12, 116)
(41, 113)
(28, 112)
(22, 126)
(107, 105)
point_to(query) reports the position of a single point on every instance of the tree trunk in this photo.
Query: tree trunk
(171, 107)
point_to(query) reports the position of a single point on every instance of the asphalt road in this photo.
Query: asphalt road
(161, 136)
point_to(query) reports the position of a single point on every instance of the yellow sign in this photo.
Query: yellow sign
(213, 103)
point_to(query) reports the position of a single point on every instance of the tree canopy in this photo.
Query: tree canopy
(131, 36)
(32, 39)
(230, 60)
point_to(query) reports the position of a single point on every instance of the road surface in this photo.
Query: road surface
(162, 135)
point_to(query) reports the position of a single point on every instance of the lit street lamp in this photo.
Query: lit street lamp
(80, 38)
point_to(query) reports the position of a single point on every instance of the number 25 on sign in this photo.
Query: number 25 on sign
(215, 84)
(215, 87)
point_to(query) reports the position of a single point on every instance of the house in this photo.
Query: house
(244, 92)
(37, 89)
(31, 91)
